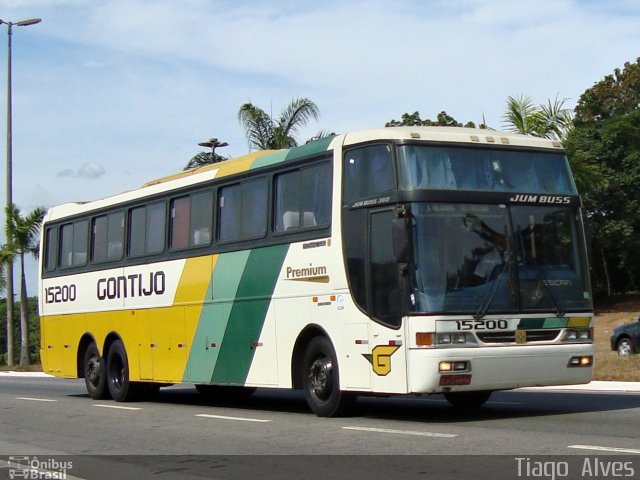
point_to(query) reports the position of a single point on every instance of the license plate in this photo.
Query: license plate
(451, 380)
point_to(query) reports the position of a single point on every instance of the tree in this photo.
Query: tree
(265, 133)
(607, 134)
(26, 237)
(549, 121)
(207, 158)
(443, 120)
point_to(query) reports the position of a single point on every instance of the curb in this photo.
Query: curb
(595, 386)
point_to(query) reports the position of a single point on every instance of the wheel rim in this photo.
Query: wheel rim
(321, 379)
(624, 348)
(116, 371)
(92, 372)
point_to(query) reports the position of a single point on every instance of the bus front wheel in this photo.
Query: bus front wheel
(94, 373)
(467, 400)
(120, 388)
(321, 380)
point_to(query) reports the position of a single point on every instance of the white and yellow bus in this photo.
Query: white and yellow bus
(410, 260)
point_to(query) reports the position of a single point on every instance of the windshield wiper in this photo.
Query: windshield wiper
(486, 301)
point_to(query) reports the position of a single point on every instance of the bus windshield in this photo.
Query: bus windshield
(479, 259)
(483, 169)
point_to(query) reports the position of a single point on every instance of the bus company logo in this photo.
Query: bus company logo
(308, 274)
(547, 199)
(34, 468)
(380, 358)
(131, 286)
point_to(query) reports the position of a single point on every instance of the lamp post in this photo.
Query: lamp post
(9, 266)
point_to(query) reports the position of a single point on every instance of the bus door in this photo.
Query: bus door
(386, 336)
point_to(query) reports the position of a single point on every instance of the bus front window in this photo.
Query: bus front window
(478, 259)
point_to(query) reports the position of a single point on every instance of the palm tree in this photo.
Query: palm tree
(548, 121)
(265, 133)
(26, 239)
(555, 122)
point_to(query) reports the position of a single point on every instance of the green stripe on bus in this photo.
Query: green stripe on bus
(270, 159)
(248, 314)
(215, 316)
(309, 149)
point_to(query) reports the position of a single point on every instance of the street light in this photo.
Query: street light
(9, 275)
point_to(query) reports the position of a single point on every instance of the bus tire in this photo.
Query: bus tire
(120, 388)
(321, 380)
(94, 372)
(467, 400)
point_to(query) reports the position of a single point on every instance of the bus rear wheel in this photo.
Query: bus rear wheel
(467, 400)
(93, 370)
(120, 388)
(321, 380)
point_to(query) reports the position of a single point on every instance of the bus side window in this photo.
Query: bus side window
(73, 244)
(229, 212)
(201, 219)
(303, 198)
(147, 229)
(368, 171)
(191, 218)
(50, 257)
(107, 236)
(242, 211)
(180, 214)
(254, 208)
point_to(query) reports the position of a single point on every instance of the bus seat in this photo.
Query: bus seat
(115, 250)
(309, 219)
(201, 236)
(291, 220)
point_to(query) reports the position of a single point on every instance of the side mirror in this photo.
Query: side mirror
(401, 232)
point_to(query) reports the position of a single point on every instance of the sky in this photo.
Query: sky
(108, 94)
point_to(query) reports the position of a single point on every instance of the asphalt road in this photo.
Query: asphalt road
(52, 418)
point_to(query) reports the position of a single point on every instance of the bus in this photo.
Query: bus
(395, 261)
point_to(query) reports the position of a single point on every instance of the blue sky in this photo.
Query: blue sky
(108, 94)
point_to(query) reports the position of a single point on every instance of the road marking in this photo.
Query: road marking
(25, 374)
(239, 419)
(32, 399)
(401, 432)
(605, 449)
(116, 407)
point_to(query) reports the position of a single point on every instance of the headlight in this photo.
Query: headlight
(578, 335)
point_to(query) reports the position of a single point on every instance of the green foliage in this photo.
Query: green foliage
(204, 158)
(265, 133)
(616, 95)
(549, 121)
(23, 233)
(607, 136)
(34, 330)
(442, 120)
